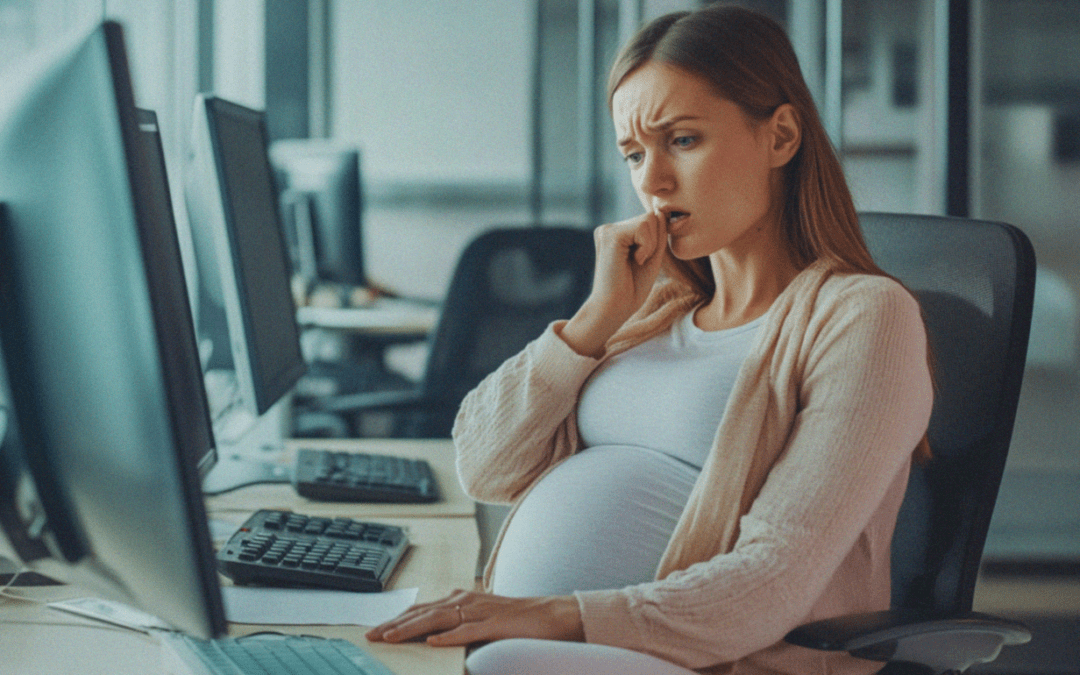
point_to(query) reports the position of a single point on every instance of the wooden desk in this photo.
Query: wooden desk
(439, 453)
(386, 316)
(36, 640)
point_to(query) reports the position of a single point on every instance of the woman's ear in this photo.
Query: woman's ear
(786, 134)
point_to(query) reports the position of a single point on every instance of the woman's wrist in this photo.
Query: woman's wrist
(566, 617)
(587, 332)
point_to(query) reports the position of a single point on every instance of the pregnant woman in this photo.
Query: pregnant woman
(714, 448)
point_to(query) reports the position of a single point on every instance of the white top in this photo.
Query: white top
(642, 456)
(668, 393)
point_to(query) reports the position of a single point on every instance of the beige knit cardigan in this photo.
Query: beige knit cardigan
(791, 519)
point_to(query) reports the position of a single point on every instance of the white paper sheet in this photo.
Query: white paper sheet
(112, 612)
(248, 604)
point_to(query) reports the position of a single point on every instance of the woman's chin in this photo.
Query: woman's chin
(683, 249)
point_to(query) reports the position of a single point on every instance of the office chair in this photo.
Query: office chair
(975, 281)
(508, 285)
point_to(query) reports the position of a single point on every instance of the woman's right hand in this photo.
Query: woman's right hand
(628, 257)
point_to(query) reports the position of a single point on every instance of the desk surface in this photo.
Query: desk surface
(442, 559)
(389, 316)
(36, 640)
(438, 453)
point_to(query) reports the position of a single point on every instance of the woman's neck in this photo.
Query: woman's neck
(747, 283)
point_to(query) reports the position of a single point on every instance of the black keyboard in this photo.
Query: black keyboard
(328, 475)
(281, 548)
(274, 655)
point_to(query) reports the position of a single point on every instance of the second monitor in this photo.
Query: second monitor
(246, 318)
(245, 315)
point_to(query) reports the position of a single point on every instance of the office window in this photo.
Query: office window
(1026, 173)
(890, 132)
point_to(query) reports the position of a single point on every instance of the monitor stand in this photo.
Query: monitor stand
(249, 447)
(234, 471)
(14, 575)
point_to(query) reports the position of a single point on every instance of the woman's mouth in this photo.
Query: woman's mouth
(674, 217)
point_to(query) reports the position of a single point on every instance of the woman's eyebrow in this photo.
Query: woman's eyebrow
(660, 127)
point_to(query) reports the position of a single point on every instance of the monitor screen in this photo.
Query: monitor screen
(321, 202)
(235, 220)
(99, 486)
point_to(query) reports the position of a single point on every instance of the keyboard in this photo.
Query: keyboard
(272, 655)
(282, 548)
(329, 475)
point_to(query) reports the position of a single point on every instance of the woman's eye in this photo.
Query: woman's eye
(632, 157)
(684, 141)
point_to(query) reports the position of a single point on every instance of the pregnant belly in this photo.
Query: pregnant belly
(601, 519)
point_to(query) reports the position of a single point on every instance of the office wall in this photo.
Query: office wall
(239, 51)
(436, 95)
(891, 123)
(437, 100)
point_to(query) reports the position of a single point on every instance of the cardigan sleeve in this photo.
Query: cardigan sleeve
(518, 421)
(864, 400)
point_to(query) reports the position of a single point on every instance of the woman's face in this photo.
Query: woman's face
(697, 160)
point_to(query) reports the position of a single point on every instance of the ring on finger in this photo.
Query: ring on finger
(460, 614)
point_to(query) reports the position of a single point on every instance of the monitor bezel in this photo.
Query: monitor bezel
(180, 317)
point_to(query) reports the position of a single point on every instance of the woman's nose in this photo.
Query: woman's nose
(657, 176)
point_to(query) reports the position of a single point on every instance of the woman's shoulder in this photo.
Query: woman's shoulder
(829, 285)
(866, 289)
(877, 302)
(823, 295)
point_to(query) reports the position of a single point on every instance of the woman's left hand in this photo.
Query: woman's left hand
(466, 617)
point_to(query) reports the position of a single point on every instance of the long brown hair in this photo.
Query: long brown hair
(749, 60)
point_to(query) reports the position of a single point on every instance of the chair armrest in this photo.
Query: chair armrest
(940, 643)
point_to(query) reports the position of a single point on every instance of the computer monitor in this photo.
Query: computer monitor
(99, 463)
(322, 204)
(235, 223)
(183, 369)
(244, 274)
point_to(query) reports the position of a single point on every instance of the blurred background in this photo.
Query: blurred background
(468, 115)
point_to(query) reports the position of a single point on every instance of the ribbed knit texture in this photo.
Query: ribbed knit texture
(791, 519)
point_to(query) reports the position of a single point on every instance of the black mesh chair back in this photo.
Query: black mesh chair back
(509, 284)
(975, 281)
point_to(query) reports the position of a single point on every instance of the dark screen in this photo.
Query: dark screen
(328, 175)
(259, 254)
